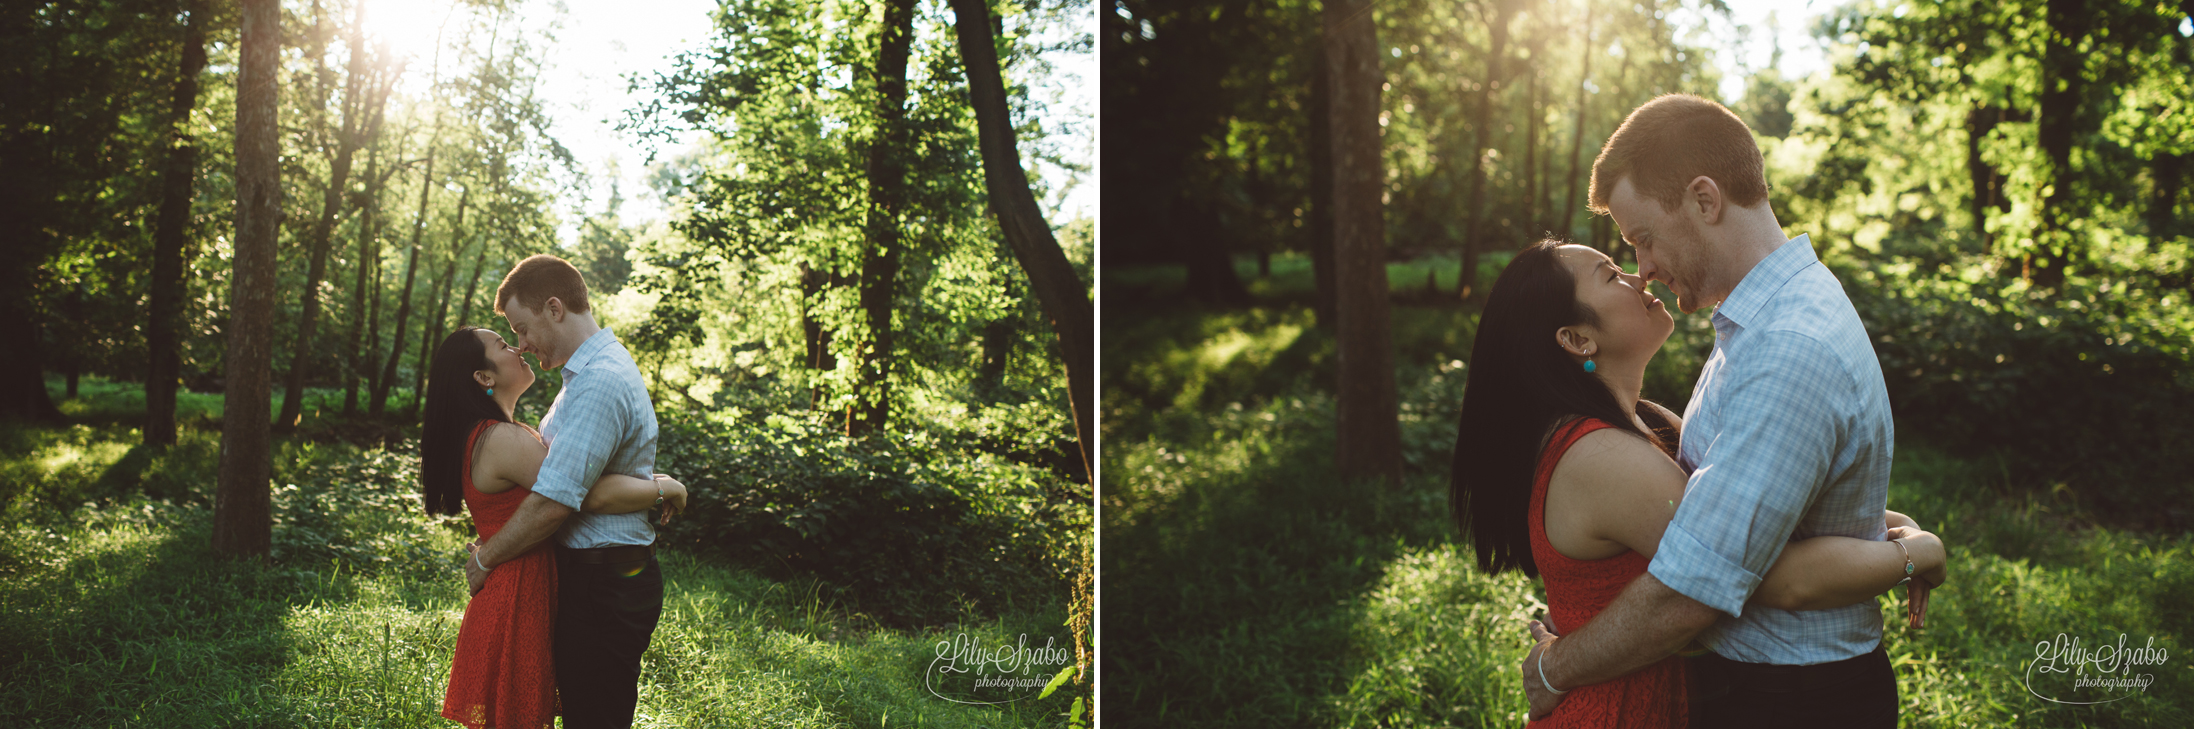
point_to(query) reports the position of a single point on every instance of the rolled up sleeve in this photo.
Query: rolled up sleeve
(1783, 411)
(589, 424)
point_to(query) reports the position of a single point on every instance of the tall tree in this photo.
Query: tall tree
(365, 96)
(69, 72)
(886, 201)
(1065, 298)
(171, 245)
(2064, 81)
(1475, 241)
(1565, 225)
(241, 525)
(1321, 188)
(431, 330)
(365, 310)
(387, 378)
(1368, 418)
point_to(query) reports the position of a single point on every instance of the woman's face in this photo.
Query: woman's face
(1633, 321)
(509, 368)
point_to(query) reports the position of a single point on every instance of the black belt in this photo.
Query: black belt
(610, 555)
(1775, 679)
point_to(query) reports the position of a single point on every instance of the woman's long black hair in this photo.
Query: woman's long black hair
(455, 403)
(1521, 384)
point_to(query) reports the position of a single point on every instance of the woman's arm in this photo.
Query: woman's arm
(1827, 572)
(620, 494)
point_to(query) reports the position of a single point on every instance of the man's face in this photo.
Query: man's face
(534, 331)
(1669, 247)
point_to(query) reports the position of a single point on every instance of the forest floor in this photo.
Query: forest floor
(1245, 586)
(115, 612)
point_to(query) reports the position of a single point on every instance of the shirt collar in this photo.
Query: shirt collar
(588, 350)
(1767, 277)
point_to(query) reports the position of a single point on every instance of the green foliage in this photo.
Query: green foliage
(914, 529)
(2084, 388)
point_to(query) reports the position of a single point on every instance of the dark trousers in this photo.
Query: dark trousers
(1855, 692)
(604, 620)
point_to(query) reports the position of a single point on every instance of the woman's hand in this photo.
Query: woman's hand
(1930, 560)
(1893, 520)
(1932, 568)
(674, 496)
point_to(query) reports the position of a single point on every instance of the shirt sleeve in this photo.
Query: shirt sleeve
(1781, 425)
(588, 424)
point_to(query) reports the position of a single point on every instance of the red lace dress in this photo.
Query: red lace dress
(1577, 590)
(502, 675)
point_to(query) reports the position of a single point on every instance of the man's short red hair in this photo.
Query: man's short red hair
(1673, 139)
(537, 279)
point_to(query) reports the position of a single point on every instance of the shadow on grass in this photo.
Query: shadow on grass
(146, 626)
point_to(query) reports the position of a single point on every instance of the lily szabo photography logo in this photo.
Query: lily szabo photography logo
(968, 672)
(2067, 671)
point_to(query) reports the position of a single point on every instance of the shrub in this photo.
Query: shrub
(911, 527)
(2088, 386)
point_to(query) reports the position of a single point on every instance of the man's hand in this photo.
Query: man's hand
(1542, 700)
(475, 578)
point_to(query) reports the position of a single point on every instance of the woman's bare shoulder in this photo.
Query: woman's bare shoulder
(1612, 462)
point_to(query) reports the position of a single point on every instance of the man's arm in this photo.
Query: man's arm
(537, 518)
(1645, 624)
(1752, 486)
(590, 427)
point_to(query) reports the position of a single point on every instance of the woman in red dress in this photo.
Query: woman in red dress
(502, 674)
(1562, 471)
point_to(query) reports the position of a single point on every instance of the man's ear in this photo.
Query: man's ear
(1575, 341)
(553, 309)
(1705, 198)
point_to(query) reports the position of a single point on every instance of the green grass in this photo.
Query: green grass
(115, 612)
(1246, 586)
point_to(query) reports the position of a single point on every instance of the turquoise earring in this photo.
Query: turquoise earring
(1589, 366)
(491, 391)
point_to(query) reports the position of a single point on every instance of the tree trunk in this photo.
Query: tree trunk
(1987, 183)
(1474, 241)
(819, 359)
(430, 331)
(1321, 187)
(1368, 418)
(368, 261)
(171, 248)
(472, 285)
(387, 378)
(2167, 173)
(355, 130)
(1058, 288)
(1566, 225)
(887, 200)
(2063, 82)
(1532, 115)
(241, 506)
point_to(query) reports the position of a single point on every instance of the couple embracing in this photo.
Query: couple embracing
(1756, 523)
(566, 591)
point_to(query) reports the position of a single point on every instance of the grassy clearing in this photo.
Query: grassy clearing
(114, 611)
(1247, 587)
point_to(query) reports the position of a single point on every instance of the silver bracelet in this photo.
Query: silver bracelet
(477, 563)
(1542, 673)
(1909, 567)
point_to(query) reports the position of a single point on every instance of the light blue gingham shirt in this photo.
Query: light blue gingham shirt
(1787, 436)
(602, 422)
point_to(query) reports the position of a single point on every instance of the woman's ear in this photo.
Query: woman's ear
(1575, 341)
(484, 378)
